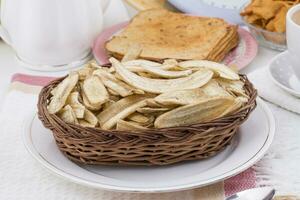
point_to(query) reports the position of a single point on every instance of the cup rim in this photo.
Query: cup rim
(290, 14)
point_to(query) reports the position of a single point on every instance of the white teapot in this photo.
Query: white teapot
(51, 32)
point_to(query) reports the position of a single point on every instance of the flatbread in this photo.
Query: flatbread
(163, 34)
(224, 46)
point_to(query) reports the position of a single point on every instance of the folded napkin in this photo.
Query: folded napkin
(271, 92)
(24, 178)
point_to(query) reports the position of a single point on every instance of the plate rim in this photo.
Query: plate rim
(243, 63)
(69, 177)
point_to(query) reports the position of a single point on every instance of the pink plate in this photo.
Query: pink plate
(238, 58)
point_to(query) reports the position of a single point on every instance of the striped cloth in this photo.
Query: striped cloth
(43, 185)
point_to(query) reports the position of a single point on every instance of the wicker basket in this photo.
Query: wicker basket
(144, 147)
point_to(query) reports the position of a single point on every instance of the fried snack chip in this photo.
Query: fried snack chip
(149, 110)
(84, 123)
(85, 72)
(128, 126)
(192, 81)
(94, 91)
(279, 20)
(90, 118)
(153, 104)
(268, 14)
(234, 87)
(158, 71)
(181, 97)
(203, 111)
(219, 69)
(120, 110)
(88, 104)
(78, 108)
(139, 118)
(67, 115)
(115, 85)
(62, 92)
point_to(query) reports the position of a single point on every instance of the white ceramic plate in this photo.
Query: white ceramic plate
(249, 145)
(282, 74)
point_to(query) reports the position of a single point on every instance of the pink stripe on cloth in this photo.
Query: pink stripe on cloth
(242, 181)
(31, 80)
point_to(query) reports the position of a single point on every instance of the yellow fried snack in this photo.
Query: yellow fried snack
(279, 20)
(268, 14)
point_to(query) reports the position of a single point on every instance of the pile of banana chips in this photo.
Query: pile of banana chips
(140, 94)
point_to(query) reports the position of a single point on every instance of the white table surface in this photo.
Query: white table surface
(9, 65)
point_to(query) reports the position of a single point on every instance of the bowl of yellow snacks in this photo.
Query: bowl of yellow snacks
(141, 112)
(266, 21)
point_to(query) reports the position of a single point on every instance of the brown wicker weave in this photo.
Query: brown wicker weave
(144, 147)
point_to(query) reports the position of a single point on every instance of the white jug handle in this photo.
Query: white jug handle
(4, 35)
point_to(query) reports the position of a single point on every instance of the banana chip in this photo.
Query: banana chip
(213, 88)
(234, 107)
(84, 123)
(195, 80)
(163, 73)
(139, 118)
(157, 71)
(108, 103)
(95, 91)
(112, 92)
(128, 126)
(112, 83)
(149, 110)
(90, 118)
(239, 85)
(181, 97)
(62, 92)
(78, 108)
(236, 88)
(116, 85)
(67, 115)
(204, 111)
(218, 68)
(87, 103)
(154, 104)
(120, 110)
(85, 72)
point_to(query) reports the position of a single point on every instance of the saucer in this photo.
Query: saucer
(282, 74)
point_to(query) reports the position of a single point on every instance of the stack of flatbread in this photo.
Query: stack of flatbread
(160, 34)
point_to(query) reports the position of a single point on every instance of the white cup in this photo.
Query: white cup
(293, 39)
